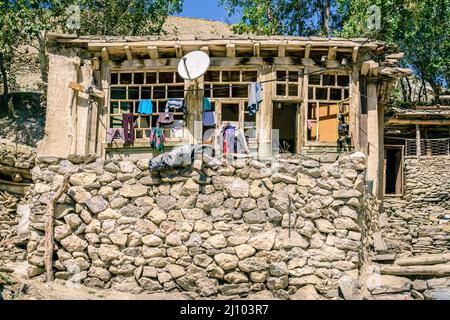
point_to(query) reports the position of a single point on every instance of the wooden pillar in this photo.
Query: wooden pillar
(355, 110)
(102, 113)
(83, 111)
(194, 104)
(302, 114)
(264, 116)
(375, 133)
(418, 148)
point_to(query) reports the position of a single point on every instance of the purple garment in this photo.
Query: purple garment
(209, 119)
(114, 133)
(128, 128)
(229, 139)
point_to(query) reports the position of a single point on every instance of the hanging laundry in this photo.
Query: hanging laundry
(228, 136)
(174, 104)
(310, 124)
(128, 127)
(114, 133)
(254, 98)
(209, 119)
(177, 133)
(157, 139)
(165, 118)
(145, 106)
(206, 104)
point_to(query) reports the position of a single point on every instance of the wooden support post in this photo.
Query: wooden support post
(49, 236)
(95, 64)
(231, 50)
(282, 50)
(307, 51)
(375, 133)
(105, 54)
(355, 111)
(332, 53)
(355, 54)
(179, 50)
(265, 114)
(256, 49)
(418, 148)
(153, 52)
(365, 68)
(128, 52)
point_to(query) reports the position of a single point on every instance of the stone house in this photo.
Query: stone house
(310, 86)
(301, 226)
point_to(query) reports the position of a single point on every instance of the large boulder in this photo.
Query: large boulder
(307, 292)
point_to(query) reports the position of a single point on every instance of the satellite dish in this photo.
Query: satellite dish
(193, 65)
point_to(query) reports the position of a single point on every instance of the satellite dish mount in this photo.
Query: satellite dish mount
(193, 65)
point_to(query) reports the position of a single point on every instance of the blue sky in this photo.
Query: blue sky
(206, 9)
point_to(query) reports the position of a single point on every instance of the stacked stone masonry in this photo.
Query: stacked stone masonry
(419, 222)
(291, 228)
(411, 259)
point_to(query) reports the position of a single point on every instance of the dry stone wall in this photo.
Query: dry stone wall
(411, 254)
(290, 228)
(419, 222)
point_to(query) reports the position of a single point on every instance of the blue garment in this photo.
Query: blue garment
(145, 106)
(209, 119)
(206, 104)
(254, 98)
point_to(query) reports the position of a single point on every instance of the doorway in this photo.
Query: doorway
(393, 170)
(285, 121)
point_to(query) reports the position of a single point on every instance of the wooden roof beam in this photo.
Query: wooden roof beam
(105, 54)
(365, 68)
(128, 52)
(179, 50)
(282, 50)
(355, 54)
(95, 64)
(307, 51)
(231, 50)
(153, 52)
(205, 49)
(332, 53)
(256, 49)
(404, 122)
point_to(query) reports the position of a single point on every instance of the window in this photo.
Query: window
(327, 114)
(128, 88)
(289, 83)
(328, 87)
(218, 84)
(323, 120)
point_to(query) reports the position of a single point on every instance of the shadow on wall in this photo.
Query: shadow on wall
(27, 124)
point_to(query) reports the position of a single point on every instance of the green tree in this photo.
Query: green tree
(293, 17)
(15, 27)
(29, 21)
(420, 28)
(130, 17)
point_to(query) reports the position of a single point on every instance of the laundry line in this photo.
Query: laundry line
(281, 79)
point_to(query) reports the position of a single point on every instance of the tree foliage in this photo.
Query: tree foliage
(420, 28)
(29, 21)
(292, 17)
(130, 17)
